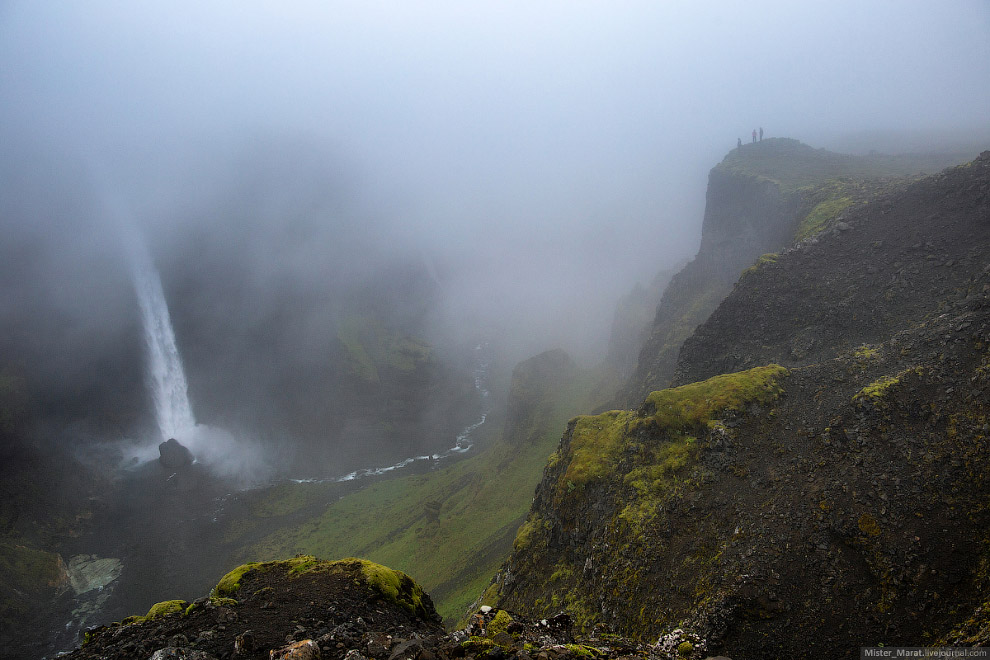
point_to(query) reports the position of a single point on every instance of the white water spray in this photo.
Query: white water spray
(167, 380)
(241, 460)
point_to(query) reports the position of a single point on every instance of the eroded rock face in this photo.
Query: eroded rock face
(851, 505)
(174, 455)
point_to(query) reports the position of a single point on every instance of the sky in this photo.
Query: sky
(543, 157)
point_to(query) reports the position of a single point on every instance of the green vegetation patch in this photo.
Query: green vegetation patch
(499, 624)
(679, 408)
(866, 352)
(868, 525)
(821, 217)
(230, 583)
(161, 609)
(879, 388)
(28, 569)
(595, 442)
(166, 607)
(396, 586)
(666, 461)
(768, 258)
(527, 532)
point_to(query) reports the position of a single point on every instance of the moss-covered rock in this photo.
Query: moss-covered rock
(394, 586)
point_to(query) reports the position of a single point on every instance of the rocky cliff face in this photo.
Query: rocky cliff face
(759, 198)
(889, 264)
(809, 507)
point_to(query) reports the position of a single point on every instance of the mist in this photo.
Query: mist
(469, 172)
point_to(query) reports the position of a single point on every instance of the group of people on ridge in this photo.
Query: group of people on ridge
(739, 142)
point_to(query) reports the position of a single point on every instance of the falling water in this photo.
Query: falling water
(167, 380)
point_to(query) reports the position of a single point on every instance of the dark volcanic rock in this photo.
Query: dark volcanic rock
(262, 607)
(844, 500)
(846, 289)
(346, 610)
(173, 454)
(758, 198)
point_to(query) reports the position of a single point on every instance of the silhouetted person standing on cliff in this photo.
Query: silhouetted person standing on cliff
(739, 142)
(754, 135)
(761, 134)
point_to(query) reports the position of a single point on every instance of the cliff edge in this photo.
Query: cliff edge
(816, 482)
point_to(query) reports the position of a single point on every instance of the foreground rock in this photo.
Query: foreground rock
(308, 609)
(262, 607)
(173, 454)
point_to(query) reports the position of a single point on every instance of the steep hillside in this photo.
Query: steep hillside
(759, 198)
(887, 266)
(805, 509)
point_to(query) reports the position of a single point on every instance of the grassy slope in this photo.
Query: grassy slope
(450, 529)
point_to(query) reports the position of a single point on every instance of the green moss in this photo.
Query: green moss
(479, 646)
(768, 258)
(866, 352)
(525, 535)
(685, 648)
(562, 572)
(230, 583)
(582, 651)
(821, 217)
(699, 403)
(396, 586)
(499, 624)
(595, 441)
(166, 607)
(666, 462)
(879, 388)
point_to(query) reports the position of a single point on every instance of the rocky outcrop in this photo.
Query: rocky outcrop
(259, 608)
(759, 198)
(888, 265)
(308, 609)
(172, 454)
(796, 509)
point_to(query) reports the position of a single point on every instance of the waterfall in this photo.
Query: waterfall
(166, 379)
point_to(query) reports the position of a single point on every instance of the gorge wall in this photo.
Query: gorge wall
(823, 488)
(760, 197)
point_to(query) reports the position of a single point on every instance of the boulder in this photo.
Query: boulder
(173, 454)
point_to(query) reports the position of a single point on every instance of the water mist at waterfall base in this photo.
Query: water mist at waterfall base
(235, 459)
